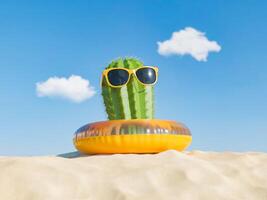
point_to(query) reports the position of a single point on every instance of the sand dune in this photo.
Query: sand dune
(167, 175)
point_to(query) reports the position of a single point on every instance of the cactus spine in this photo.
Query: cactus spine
(131, 101)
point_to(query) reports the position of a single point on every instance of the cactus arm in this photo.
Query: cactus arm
(120, 103)
(125, 102)
(120, 97)
(140, 96)
(146, 105)
(116, 99)
(134, 100)
(148, 102)
(106, 93)
(133, 87)
(115, 103)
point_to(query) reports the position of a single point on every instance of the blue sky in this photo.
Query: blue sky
(223, 101)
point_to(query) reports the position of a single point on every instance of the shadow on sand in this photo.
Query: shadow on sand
(74, 154)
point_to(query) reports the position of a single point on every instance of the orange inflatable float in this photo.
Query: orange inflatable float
(132, 136)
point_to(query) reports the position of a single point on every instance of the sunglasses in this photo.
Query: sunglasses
(118, 77)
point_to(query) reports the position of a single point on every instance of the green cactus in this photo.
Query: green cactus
(131, 101)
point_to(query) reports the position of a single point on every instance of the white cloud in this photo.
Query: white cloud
(74, 88)
(188, 41)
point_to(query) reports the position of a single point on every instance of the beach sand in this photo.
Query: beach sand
(167, 175)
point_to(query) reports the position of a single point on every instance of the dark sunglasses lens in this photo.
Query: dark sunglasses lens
(118, 77)
(146, 75)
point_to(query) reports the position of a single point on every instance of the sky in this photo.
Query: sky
(216, 85)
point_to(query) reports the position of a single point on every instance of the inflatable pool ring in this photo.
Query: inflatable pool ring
(128, 94)
(132, 136)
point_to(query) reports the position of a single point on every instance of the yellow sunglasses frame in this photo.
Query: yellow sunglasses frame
(130, 71)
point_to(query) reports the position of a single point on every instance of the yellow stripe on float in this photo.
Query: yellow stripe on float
(135, 143)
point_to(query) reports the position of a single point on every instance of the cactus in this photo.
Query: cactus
(131, 101)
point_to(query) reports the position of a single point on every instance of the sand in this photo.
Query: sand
(167, 175)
